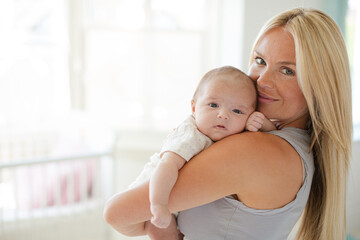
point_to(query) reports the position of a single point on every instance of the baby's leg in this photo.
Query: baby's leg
(169, 233)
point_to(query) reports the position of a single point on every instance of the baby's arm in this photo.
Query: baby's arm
(257, 121)
(161, 183)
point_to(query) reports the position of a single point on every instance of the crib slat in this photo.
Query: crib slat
(56, 197)
(83, 182)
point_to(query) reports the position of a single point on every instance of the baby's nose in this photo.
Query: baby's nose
(223, 115)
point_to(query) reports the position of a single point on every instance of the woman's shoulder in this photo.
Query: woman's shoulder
(270, 167)
(281, 145)
(256, 143)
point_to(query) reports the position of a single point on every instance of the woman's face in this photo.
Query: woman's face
(273, 69)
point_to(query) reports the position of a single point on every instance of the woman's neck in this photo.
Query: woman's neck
(297, 123)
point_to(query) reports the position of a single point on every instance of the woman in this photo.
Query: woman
(256, 185)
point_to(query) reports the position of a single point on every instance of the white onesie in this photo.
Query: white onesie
(186, 140)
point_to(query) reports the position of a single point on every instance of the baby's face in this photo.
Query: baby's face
(223, 107)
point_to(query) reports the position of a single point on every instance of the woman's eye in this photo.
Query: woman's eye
(287, 71)
(260, 61)
(213, 105)
(237, 111)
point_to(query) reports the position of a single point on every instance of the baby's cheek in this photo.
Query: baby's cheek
(241, 126)
(202, 128)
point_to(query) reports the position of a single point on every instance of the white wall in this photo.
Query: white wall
(353, 199)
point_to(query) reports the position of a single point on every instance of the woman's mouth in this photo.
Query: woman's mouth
(265, 99)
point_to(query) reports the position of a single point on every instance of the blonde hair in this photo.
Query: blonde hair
(324, 77)
(210, 75)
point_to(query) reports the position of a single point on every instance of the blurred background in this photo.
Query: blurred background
(89, 89)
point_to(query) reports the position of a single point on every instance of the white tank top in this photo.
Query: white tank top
(230, 219)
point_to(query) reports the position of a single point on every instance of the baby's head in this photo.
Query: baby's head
(223, 101)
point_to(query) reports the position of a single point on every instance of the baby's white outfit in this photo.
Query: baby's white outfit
(186, 140)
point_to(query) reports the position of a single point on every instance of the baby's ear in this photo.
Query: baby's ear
(192, 106)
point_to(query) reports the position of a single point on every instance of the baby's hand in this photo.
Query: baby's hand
(161, 216)
(255, 121)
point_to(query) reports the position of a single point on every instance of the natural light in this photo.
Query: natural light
(89, 89)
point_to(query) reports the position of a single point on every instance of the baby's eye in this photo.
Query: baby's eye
(237, 111)
(213, 105)
(287, 71)
(260, 61)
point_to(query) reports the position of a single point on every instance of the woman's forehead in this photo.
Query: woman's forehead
(277, 44)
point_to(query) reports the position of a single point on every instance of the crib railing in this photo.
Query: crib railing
(48, 189)
(46, 194)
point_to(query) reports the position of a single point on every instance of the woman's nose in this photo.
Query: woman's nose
(265, 79)
(262, 76)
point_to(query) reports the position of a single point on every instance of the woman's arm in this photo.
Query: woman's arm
(262, 169)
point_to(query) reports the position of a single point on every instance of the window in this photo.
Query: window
(33, 61)
(144, 58)
(133, 64)
(353, 38)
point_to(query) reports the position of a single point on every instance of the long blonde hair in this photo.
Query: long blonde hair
(324, 77)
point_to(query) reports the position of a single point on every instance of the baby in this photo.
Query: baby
(223, 104)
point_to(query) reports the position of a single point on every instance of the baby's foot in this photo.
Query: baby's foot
(161, 216)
